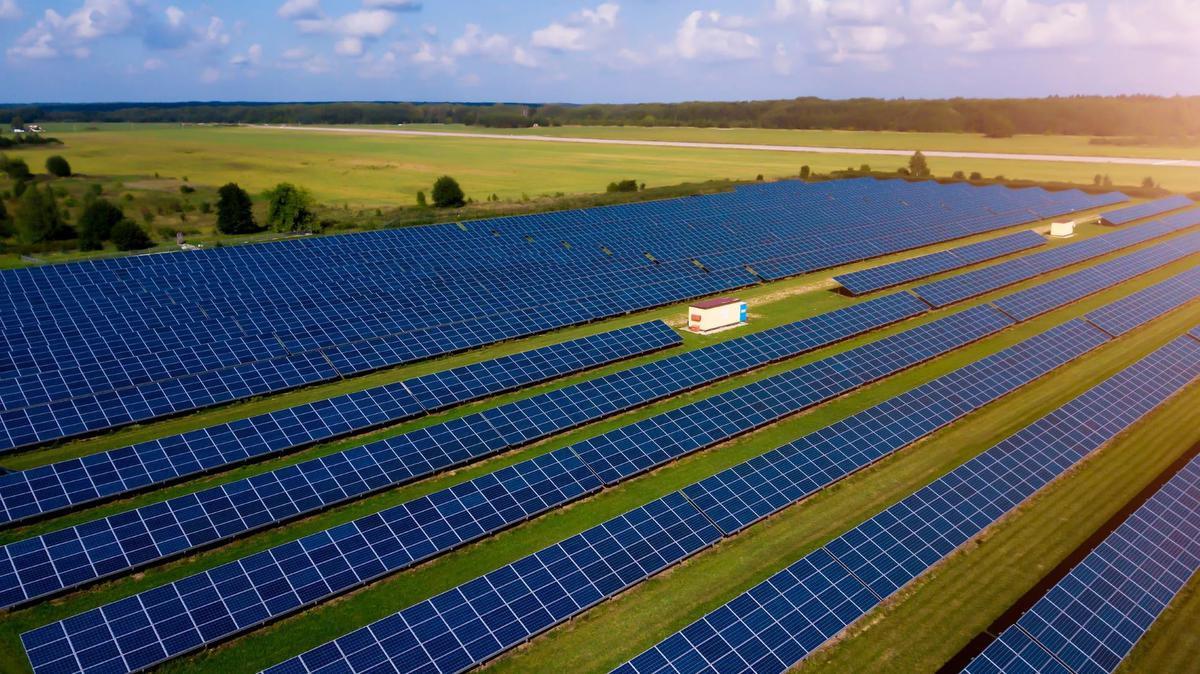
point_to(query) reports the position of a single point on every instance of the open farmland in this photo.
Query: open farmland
(918, 629)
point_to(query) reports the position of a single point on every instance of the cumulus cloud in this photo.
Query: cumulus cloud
(10, 10)
(394, 5)
(582, 31)
(252, 57)
(1165, 23)
(300, 9)
(709, 36)
(57, 35)
(499, 48)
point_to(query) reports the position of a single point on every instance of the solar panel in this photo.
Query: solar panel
(66, 484)
(1091, 619)
(43, 565)
(892, 548)
(1145, 210)
(1030, 302)
(903, 271)
(134, 338)
(1145, 305)
(977, 282)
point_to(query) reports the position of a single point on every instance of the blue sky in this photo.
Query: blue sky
(618, 51)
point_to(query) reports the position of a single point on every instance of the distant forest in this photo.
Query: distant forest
(1130, 116)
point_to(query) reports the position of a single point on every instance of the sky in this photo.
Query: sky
(582, 52)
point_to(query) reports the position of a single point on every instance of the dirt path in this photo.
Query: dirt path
(1137, 161)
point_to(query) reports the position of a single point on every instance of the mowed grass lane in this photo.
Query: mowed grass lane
(362, 170)
(455, 569)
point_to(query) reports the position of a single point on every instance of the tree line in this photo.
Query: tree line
(1102, 116)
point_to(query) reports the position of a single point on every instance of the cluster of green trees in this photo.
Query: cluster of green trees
(289, 209)
(1105, 116)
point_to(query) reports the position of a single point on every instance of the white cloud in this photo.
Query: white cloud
(252, 57)
(582, 31)
(300, 9)
(500, 48)
(210, 75)
(1165, 23)
(349, 46)
(707, 36)
(153, 64)
(10, 10)
(559, 37)
(780, 62)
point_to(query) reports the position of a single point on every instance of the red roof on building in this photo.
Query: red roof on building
(715, 302)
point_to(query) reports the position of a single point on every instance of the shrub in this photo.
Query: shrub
(959, 175)
(38, 218)
(447, 193)
(186, 189)
(865, 168)
(918, 166)
(759, 177)
(1148, 182)
(805, 172)
(16, 169)
(96, 223)
(57, 166)
(128, 235)
(976, 175)
(289, 209)
(421, 198)
(623, 186)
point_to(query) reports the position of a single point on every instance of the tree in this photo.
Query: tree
(57, 166)
(1097, 179)
(97, 222)
(805, 171)
(38, 218)
(996, 125)
(447, 193)
(959, 175)
(129, 235)
(917, 165)
(1148, 182)
(421, 199)
(1107, 180)
(289, 209)
(234, 215)
(16, 169)
(5, 229)
(624, 186)
(976, 175)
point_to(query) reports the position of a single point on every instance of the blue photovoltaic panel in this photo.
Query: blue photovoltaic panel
(1092, 618)
(1015, 653)
(892, 548)
(876, 278)
(1145, 305)
(1026, 304)
(107, 342)
(1145, 210)
(502, 606)
(1024, 361)
(977, 282)
(69, 557)
(739, 496)
(65, 484)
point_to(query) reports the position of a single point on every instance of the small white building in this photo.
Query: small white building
(718, 313)
(1062, 230)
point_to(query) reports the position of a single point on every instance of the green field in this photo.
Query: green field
(368, 171)
(924, 624)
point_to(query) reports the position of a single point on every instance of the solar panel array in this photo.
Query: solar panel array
(1030, 302)
(977, 282)
(903, 271)
(61, 485)
(1145, 210)
(108, 342)
(42, 565)
(1122, 316)
(763, 475)
(1090, 620)
(778, 622)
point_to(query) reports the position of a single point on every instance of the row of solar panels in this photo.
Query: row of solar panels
(56, 486)
(1090, 620)
(1146, 209)
(903, 271)
(267, 499)
(47, 421)
(239, 595)
(778, 622)
(155, 367)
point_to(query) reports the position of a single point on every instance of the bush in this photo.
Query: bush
(918, 166)
(865, 168)
(186, 189)
(38, 219)
(289, 209)
(623, 186)
(759, 177)
(805, 172)
(976, 175)
(16, 169)
(129, 235)
(447, 193)
(234, 213)
(57, 166)
(421, 198)
(96, 223)
(959, 175)
(1148, 182)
